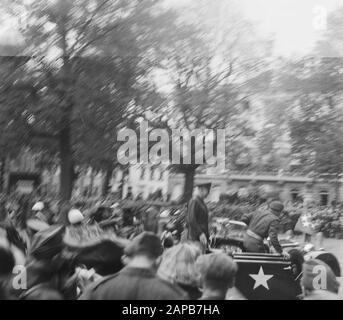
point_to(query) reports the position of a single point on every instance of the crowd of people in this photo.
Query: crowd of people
(111, 249)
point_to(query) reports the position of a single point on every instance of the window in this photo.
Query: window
(324, 198)
(294, 195)
(142, 173)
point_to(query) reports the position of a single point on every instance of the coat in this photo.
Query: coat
(40, 285)
(133, 284)
(197, 219)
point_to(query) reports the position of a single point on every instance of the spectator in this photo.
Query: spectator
(138, 280)
(178, 267)
(42, 266)
(7, 262)
(150, 219)
(218, 272)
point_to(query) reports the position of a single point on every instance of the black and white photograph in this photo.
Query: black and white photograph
(177, 152)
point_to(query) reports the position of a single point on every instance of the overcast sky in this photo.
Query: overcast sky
(291, 23)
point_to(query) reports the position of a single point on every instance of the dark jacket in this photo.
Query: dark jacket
(264, 223)
(40, 285)
(197, 219)
(133, 284)
(42, 291)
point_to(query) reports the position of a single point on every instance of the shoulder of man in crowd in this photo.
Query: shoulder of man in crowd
(92, 288)
(180, 293)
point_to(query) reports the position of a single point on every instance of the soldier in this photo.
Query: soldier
(262, 224)
(197, 215)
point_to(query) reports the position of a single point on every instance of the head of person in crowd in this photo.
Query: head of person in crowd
(202, 190)
(276, 207)
(297, 260)
(75, 217)
(7, 263)
(38, 207)
(36, 225)
(218, 272)
(47, 243)
(43, 212)
(178, 266)
(167, 240)
(144, 252)
(318, 281)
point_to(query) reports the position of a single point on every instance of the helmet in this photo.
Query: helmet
(75, 216)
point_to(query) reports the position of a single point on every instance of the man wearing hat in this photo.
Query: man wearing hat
(261, 225)
(138, 280)
(197, 215)
(43, 273)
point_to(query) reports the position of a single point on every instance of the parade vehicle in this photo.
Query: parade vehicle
(228, 235)
(261, 276)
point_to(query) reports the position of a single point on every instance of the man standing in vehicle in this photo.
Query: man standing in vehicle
(198, 216)
(261, 225)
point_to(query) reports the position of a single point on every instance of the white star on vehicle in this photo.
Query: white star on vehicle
(261, 279)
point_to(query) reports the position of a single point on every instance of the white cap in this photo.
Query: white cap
(75, 216)
(38, 206)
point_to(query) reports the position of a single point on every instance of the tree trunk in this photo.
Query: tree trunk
(2, 173)
(67, 167)
(107, 180)
(189, 184)
(91, 184)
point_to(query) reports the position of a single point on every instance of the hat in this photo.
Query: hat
(75, 216)
(203, 185)
(276, 206)
(37, 225)
(146, 242)
(312, 277)
(47, 243)
(38, 206)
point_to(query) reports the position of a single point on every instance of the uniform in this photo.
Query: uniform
(261, 225)
(197, 219)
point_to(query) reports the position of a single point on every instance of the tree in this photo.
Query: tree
(89, 61)
(315, 116)
(213, 75)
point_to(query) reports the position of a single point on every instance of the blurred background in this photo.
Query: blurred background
(76, 72)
